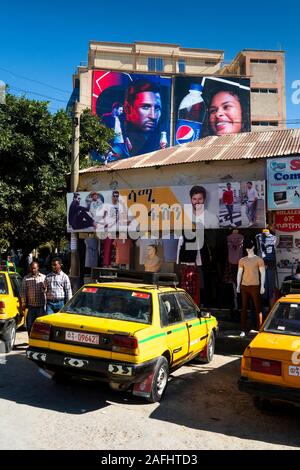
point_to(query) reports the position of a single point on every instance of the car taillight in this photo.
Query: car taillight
(40, 330)
(265, 366)
(2, 307)
(125, 344)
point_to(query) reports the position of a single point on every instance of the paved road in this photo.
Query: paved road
(202, 409)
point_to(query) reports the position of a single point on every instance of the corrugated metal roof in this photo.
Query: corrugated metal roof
(228, 147)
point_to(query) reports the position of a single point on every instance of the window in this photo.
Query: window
(155, 64)
(118, 304)
(265, 123)
(263, 61)
(264, 90)
(15, 282)
(181, 66)
(3, 285)
(169, 310)
(210, 62)
(188, 308)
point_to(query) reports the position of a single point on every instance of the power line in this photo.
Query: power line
(35, 81)
(38, 94)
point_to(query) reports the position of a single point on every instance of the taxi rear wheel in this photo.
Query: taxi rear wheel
(160, 380)
(9, 336)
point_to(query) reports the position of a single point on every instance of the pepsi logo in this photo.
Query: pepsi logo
(185, 134)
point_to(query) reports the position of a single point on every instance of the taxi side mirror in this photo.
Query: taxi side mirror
(204, 314)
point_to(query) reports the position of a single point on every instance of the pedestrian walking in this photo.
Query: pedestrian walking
(58, 288)
(33, 294)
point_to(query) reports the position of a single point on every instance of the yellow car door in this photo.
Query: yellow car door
(174, 326)
(196, 326)
(15, 281)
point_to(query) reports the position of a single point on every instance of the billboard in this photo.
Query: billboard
(136, 107)
(170, 208)
(283, 176)
(206, 106)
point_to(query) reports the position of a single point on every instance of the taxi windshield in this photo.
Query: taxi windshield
(117, 304)
(284, 319)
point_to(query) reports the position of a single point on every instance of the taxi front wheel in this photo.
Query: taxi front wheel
(160, 380)
(9, 336)
(209, 350)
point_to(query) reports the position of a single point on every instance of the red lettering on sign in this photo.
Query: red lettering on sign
(295, 164)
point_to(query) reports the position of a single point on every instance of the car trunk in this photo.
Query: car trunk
(282, 348)
(86, 334)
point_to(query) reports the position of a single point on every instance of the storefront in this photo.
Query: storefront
(235, 209)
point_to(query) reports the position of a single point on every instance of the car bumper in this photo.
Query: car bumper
(272, 392)
(90, 367)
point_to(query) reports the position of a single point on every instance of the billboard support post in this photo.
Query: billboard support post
(75, 177)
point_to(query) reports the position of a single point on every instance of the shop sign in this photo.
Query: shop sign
(283, 176)
(172, 208)
(287, 221)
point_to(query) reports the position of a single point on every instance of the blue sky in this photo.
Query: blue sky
(46, 40)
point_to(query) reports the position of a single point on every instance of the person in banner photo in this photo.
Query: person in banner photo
(143, 110)
(198, 195)
(79, 216)
(228, 106)
(251, 203)
(115, 120)
(228, 200)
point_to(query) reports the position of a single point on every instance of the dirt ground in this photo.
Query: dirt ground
(202, 409)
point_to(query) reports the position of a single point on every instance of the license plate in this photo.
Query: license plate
(80, 337)
(294, 370)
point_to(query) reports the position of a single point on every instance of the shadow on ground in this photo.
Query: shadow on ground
(200, 397)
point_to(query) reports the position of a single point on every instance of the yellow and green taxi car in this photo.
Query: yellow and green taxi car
(271, 363)
(12, 315)
(126, 333)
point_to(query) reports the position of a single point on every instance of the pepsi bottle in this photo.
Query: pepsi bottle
(191, 113)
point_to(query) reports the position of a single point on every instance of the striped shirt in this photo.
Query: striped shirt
(58, 287)
(33, 290)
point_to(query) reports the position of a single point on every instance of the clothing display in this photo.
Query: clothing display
(250, 266)
(91, 252)
(185, 255)
(107, 251)
(170, 249)
(250, 292)
(266, 243)
(190, 281)
(235, 247)
(123, 249)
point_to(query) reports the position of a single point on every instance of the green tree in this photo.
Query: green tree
(35, 154)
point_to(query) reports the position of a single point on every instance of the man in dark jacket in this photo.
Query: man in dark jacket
(79, 217)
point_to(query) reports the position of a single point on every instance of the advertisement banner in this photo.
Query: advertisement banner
(206, 106)
(136, 107)
(283, 176)
(168, 208)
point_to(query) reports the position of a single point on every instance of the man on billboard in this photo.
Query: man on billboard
(115, 120)
(143, 111)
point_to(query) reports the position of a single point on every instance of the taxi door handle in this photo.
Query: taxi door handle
(190, 326)
(169, 332)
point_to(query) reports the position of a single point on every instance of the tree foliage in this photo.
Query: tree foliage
(35, 155)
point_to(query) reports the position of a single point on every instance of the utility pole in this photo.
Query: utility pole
(74, 182)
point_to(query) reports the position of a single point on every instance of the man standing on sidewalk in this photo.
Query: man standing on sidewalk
(33, 294)
(58, 288)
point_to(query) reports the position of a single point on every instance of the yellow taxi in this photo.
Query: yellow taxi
(270, 367)
(126, 333)
(12, 316)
